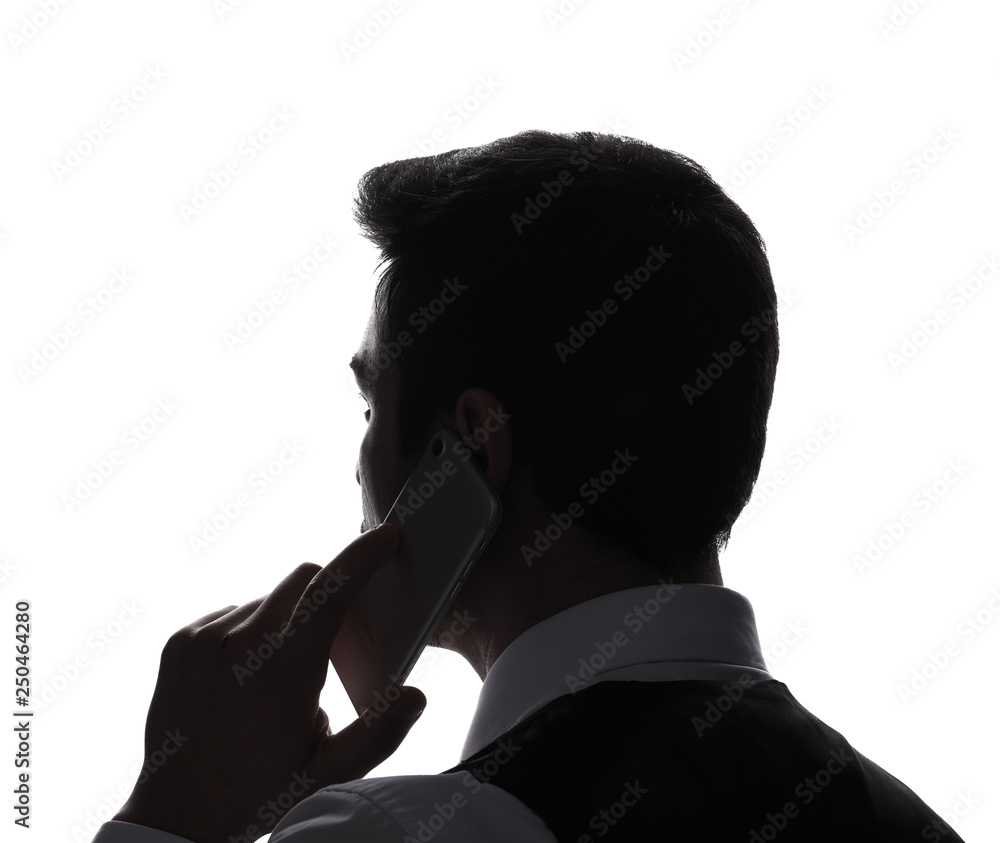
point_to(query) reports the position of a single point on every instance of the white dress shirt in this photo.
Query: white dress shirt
(663, 633)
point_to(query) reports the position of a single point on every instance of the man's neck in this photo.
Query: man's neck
(505, 597)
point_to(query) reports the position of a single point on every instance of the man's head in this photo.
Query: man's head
(614, 301)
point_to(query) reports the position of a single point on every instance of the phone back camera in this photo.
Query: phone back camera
(438, 447)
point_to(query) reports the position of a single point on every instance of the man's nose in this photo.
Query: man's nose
(357, 471)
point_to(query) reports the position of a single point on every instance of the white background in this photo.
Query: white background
(471, 73)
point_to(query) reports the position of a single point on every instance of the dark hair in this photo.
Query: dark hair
(542, 230)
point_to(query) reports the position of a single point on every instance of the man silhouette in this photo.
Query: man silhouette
(597, 320)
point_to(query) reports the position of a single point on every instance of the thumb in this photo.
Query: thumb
(410, 705)
(405, 708)
(354, 751)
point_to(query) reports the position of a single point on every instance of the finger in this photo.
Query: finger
(225, 626)
(269, 612)
(324, 602)
(272, 611)
(178, 645)
(360, 747)
(246, 615)
(205, 620)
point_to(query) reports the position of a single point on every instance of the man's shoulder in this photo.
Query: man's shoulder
(680, 750)
(445, 806)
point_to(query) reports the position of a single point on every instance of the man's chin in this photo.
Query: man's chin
(435, 641)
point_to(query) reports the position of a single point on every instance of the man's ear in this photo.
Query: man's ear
(484, 427)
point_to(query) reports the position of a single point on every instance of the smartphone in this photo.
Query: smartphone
(446, 513)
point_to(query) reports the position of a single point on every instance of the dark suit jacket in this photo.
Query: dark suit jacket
(699, 760)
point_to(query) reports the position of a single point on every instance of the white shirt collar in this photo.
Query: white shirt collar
(651, 633)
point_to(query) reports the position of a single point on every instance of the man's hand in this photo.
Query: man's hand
(232, 742)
